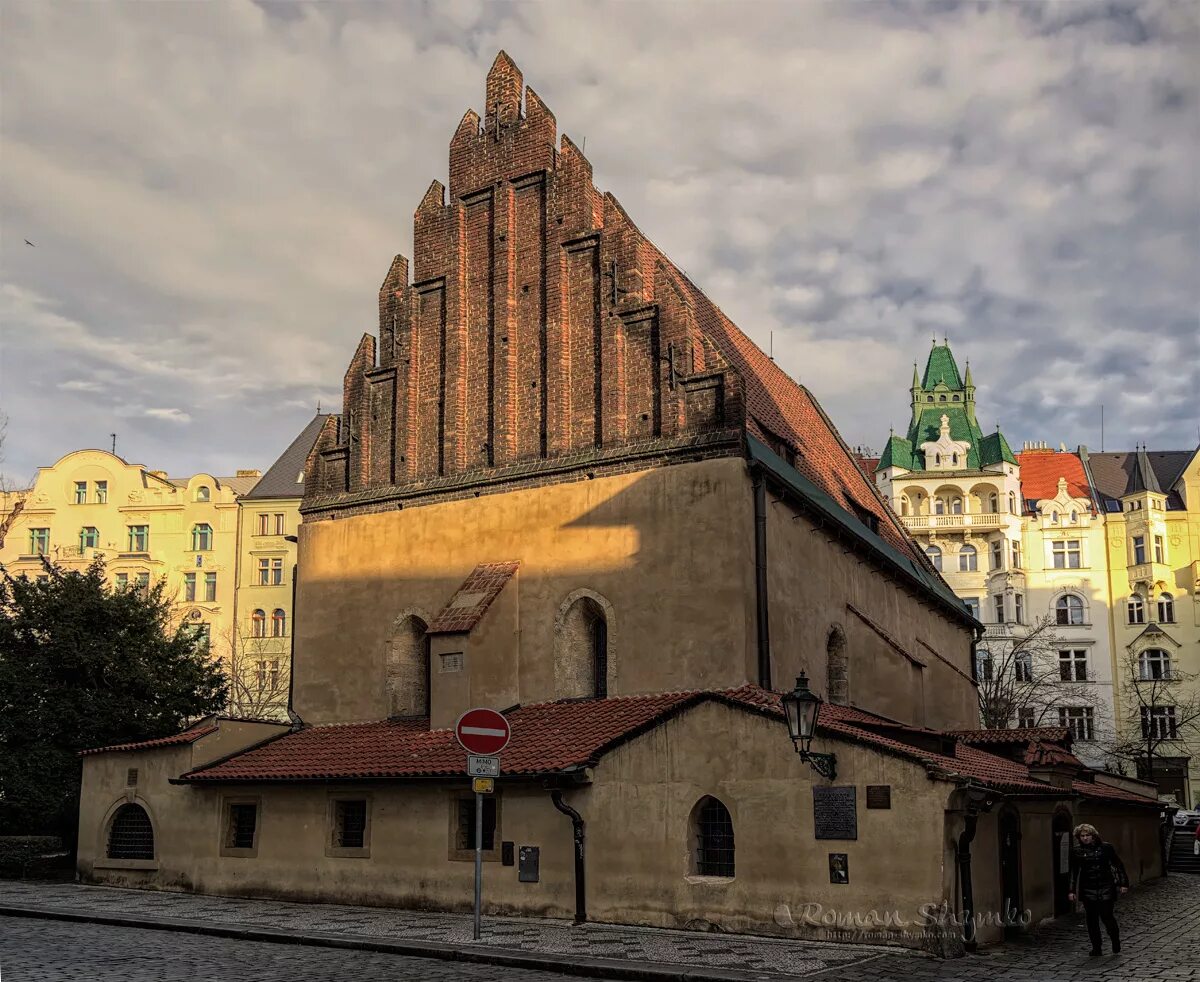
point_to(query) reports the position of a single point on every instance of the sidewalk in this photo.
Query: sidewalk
(597, 950)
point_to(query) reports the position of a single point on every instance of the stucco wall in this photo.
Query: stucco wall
(670, 549)
(812, 579)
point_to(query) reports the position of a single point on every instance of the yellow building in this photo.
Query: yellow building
(270, 514)
(145, 525)
(1151, 506)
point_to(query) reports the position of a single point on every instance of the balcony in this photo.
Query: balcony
(949, 523)
(1150, 573)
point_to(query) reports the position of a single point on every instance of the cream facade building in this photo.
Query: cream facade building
(1019, 539)
(265, 612)
(145, 525)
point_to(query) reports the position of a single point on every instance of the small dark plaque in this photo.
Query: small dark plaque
(879, 796)
(839, 868)
(527, 864)
(506, 854)
(835, 813)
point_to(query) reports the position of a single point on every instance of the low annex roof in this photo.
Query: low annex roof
(567, 736)
(193, 733)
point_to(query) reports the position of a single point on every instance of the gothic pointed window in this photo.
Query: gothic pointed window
(712, 835)
(581, 655)
(408, 668)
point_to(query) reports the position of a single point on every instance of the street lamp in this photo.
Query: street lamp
(801, 706)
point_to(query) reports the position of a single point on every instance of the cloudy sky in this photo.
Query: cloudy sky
(214, 192)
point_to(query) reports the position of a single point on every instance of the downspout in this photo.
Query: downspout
(760, 579)
(295, 720)
(579, 830)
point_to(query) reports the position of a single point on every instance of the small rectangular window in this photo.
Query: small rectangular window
(1019, 608)
(1067, 555)
(122, 581)
(998, 604)
(1139, 549)
(189, 586)
(1160, 550)
(81, 492)
(39, 542)
(997, 555)
(1025, 717)
(1079, 720)
(1159, 723)
(264, 523)
(466, 824)
(973, 606)
(279, 529)
(139, 538)
(264, 572)
(101, 492)
(1072, 665)
(210, 587)
(276, 572)
(350, 823)
(1023, 667)
(141, 583)
(242, 828)
(1016, 555)
(89, 537)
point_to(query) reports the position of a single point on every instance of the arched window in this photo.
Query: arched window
(1136, 609)
(1054, 518)
(1074, 516)
(201, 537)
(954, 459)
(937, 458)
(903, 505)
(258, 624)
(1012, 502)
(408, 668)
(581, 649)
(993, 503)
(939, 506)
(1166, 609)
(956, 504)
(929, 398)
(941, 398)
(130, 835)
(1154, 663)
(837, 668)
(1068, 609)
(935, 556)
(968, 559)
(278, 623)
(203, 493)
(712, 838)
(954, 398)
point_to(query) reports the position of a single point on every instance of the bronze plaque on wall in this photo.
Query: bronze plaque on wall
(879, 796)
(835, 813)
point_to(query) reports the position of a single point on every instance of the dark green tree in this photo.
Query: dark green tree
(84, 665)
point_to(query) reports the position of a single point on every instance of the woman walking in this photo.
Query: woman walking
(1097, 875)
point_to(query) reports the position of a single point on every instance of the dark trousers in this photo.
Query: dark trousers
(1097, 911)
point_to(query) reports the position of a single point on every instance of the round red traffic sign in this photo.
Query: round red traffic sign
(483, 732)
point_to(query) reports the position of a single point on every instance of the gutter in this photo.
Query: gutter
(579, 832)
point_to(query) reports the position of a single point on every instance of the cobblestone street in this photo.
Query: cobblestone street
(1160, 925)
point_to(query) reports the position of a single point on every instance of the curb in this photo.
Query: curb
(604, 968)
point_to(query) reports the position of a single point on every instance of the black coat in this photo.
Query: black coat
(1097, 872)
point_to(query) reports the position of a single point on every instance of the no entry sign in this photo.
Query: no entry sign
(483, 732)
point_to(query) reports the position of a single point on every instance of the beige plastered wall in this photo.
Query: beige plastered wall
(813, 581)
(670, 549)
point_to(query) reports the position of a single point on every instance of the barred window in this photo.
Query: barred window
(350, 824)
(131, 836)
(466, 823)
(713, 838)
(243, 824)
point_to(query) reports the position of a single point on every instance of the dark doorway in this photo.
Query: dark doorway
(1060, 861)
(1170, 774)
(1010, 872)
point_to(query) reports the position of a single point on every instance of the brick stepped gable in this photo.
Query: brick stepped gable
(542, 326)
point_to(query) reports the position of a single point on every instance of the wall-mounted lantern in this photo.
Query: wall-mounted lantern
(801, 707)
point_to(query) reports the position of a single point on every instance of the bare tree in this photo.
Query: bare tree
(1024, 682)
(1160, 710)
(258, 669)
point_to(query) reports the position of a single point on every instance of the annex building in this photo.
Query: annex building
(566, 486)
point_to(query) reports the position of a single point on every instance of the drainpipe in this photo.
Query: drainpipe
(296, 721)
(578, 828)
(760, 579)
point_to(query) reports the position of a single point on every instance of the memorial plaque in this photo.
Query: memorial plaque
(839, 867)
(835, 813)
(879, 796)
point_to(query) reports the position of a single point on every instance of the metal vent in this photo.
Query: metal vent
(131, 776)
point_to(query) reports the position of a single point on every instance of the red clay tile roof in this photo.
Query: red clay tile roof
(191, 735)
(1040, 473)
(471, 600)
(553, 737)
(1042, 754)
(1055, 734)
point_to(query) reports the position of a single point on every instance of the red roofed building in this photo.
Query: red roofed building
(564, 485)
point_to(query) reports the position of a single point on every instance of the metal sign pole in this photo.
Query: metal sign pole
(478, 860)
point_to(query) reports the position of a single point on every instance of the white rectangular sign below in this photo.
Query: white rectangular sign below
(483, 766)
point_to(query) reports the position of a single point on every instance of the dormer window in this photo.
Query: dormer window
(941, 399)
(203, 493)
